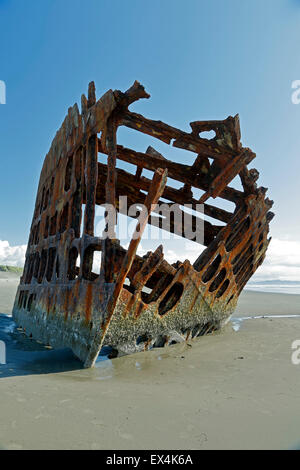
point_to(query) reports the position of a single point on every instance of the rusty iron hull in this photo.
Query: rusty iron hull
(136, 303)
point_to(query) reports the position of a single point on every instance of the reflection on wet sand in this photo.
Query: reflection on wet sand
(25, 356)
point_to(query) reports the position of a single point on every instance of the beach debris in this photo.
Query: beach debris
(134, 302)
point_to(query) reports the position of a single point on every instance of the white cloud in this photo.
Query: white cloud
(12, 255)
(180, 249)
(189, 250)
(282, 262)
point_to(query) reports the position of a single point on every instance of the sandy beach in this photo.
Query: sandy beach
(8, 286)
(231, 390)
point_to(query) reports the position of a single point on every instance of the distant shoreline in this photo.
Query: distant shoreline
(11, 269)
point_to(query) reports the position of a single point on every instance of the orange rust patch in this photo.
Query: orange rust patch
(88, 303)
(139, 310)
(129, 305)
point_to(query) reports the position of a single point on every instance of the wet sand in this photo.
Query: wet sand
(8, 287)
(230, 390)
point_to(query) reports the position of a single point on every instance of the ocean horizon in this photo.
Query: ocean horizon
(275, 286)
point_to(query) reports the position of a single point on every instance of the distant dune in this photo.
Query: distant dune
(11, 269)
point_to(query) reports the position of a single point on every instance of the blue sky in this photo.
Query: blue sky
(198, 60)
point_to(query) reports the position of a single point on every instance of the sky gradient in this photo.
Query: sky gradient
(199, 60)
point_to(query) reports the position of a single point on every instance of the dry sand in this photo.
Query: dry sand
(231, 390)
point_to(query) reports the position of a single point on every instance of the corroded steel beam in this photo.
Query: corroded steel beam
(135, 302)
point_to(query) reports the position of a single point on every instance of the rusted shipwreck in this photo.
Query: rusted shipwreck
(64, 304)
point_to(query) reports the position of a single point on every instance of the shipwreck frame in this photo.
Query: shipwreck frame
(66, 305)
